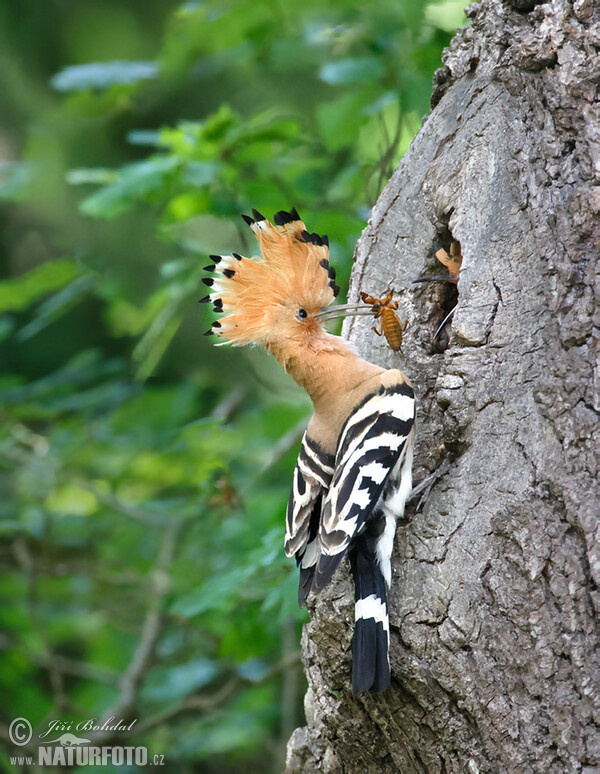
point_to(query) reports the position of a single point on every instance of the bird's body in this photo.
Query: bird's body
(353, 474)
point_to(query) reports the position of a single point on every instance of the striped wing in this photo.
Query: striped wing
(312, 478)
(372, 445)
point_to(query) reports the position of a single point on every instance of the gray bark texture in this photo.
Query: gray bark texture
(497, 562)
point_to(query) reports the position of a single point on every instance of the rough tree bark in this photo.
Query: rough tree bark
(493, 652)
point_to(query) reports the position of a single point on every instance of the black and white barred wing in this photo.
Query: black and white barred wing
(312, 478)
(372, 446)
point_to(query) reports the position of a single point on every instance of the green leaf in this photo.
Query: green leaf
(154, 343)
(56, 306)
(99, 175)
(149, 137)
(101, 75)
(134, 182)
(19, 293)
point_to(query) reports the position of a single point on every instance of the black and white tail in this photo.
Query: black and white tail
(370, 644)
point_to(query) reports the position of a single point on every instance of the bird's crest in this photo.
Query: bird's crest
(292, 270)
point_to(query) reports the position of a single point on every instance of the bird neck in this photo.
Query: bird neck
(325, 366)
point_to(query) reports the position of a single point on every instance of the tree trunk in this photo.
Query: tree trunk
(496, 566)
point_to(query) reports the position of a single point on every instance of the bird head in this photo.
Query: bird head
(279, 295)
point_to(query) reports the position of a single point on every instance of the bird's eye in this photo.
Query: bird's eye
(302, 314)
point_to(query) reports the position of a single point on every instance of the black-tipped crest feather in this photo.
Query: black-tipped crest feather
(282, 217)
(315, 239)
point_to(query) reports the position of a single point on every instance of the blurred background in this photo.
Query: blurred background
(144, 473)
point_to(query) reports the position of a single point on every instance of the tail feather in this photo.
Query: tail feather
(306, 577)
(364, 646)
(370, 644)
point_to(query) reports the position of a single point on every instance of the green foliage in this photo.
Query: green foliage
(143, 473)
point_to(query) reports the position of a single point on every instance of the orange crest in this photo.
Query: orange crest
(293, 271)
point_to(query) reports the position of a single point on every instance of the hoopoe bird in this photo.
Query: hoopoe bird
(354, 470)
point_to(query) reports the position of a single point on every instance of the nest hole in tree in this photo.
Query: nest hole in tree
(439, 297)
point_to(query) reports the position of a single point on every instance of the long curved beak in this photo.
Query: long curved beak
(344, 310)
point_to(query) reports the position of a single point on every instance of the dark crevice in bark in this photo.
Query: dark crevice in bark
(524, 6)
(440, 297)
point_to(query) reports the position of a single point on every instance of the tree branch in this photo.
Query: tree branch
(143, 655)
